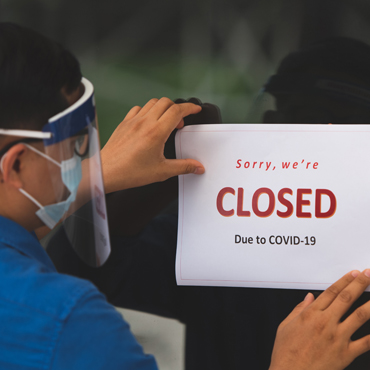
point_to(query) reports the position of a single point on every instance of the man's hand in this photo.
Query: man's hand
(313, 337)
(133, 156)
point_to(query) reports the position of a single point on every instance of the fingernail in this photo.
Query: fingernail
(367, 272)
(199, 170)
(355, 273)
(307, 296)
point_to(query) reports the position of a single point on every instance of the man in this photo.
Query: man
(48, 159)
(49, 167)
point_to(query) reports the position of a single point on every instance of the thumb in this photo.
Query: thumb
(183, 166)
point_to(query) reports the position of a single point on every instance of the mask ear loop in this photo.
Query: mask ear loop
(1, 162)
(42, 154)
(36, 151)
(29, 196)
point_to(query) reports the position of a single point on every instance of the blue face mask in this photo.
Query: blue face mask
(71, 172)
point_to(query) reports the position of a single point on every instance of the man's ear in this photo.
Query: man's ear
(12, 164)
(273, 116)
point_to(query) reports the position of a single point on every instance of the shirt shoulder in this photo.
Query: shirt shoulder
(95, 336)
(55, 321)
(27, 282)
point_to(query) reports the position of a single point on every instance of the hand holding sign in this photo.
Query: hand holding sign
(313, 335)
(133, 155)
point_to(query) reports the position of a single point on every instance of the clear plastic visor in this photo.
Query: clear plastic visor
(76, 178)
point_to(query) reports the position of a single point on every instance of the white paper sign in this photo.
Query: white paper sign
(280, 206)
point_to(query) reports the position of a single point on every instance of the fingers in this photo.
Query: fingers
(361, 314)
(360, 346)
(148, 106)
(356, 319)
(166, 109)
(156, 107)
(173, 116)
(299, 308)
(160, 107)
(349, 295)
(167, 112)
(305, 303)
(137, 145)
(327, 297)
(132, 112)
(175, 167)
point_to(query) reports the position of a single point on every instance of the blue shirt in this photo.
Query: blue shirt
(54, 321)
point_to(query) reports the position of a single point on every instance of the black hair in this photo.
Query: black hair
(33, 72)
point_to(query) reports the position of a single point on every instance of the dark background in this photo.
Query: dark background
(218, 51)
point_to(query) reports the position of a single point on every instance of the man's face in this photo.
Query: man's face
(61, 152)
(40, 176)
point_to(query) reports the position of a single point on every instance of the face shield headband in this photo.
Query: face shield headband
(72, 149)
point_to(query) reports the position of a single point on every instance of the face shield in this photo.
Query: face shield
(304, 98)
(73, 172)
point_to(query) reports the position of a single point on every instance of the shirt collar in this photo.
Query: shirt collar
(17, 237)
